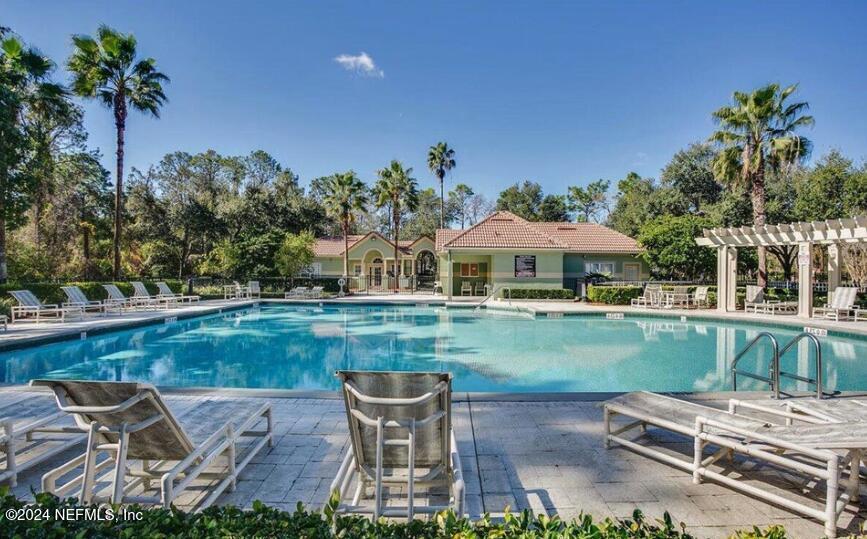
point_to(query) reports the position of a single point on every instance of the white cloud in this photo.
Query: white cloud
(362, 64)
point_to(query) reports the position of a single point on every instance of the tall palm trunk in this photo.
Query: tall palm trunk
(396, 217)
(758, 200)
(4, 275)
(120, 124)
(345, 246)
(442, 202)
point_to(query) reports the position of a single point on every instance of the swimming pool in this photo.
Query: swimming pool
(295, 347)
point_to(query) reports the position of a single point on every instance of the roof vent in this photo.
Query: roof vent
(566, 228)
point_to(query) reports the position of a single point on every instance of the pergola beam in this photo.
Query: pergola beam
(832, 231)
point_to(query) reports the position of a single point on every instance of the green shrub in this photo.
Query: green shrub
(542, 293)
(613, 295)
(264, 521)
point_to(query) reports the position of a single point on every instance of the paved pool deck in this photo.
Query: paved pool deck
(545, 456)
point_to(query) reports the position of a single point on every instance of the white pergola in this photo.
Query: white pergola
(830, 233)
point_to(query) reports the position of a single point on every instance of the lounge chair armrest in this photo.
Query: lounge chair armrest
(735, 405)
(752, 435)
(49, 306)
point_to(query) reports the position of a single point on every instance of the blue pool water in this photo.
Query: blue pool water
(300, 348)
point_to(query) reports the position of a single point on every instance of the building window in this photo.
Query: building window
(407, 267)
(316, 269)
(469, 270)
(606, 268)
(356, 270)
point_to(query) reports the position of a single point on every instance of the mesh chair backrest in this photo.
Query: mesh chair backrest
(681, 289)
(140, 289)
(652, 288)
(253, 286)
(843, 297)
(164, 289)
(701, 292)
(75, 294)
(163, 440)
(113, 291)
(432, 440)
(26, 298)
(755, 294)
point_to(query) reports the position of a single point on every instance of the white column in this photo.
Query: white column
(834, 259)
(727, 278)
(805, 280)
(449, 280)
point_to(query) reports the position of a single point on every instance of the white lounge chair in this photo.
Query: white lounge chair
(400, 433)
(841, 304)
(32, 432)
(116, 297)
(316, 292)
(805, 449)
(678, 297)
(649, 297)
(253, 290)
(30, 306)
(466, 288)
(297, 292)
(77, 299)
(145, 443)
(166, 292)
(143, 295)
(479, 288)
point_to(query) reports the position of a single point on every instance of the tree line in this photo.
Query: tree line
(210, 214)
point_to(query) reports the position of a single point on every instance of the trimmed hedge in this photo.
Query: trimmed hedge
(51, 292)
(264, 521)
(613, 295)
(542, 293)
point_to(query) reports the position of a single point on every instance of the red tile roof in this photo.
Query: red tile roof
(504, 230)
(333, 246)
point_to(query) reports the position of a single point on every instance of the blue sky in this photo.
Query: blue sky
(561, 93)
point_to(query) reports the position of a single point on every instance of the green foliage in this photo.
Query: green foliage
(690, 172)
(554, 208)
(589, 201)
(524, 200)
(264, 521)
(613, 295)
(295, 253)
(640, 200)
(542, 293)
(670, 249)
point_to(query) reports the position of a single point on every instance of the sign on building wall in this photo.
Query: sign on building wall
(525, 266)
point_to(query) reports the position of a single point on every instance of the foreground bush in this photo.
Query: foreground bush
(542, 293)
(613, 295)
(264, 521)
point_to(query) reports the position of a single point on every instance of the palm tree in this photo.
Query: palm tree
(757, 133)
(344, 195)
(25, 90)
(440, 160)
(397, 189)
(106, 68)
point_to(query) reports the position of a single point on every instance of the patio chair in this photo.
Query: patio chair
(700, 297)
(678, 297)
(116, 297)
(401, 435)
(297, 292)
(805, 449)
(166, 292)
(755, 298)
(646, 298)
(145, 443)
(30, 306)
(33, 431)
(466, 288)
(141, 292)
(479, 289)
(254, 291)
(77, 299)
(841, 305)
(438, 285)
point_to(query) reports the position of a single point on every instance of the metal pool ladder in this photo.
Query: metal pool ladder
(774, 370)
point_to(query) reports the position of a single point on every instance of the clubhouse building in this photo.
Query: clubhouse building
(501, 250)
